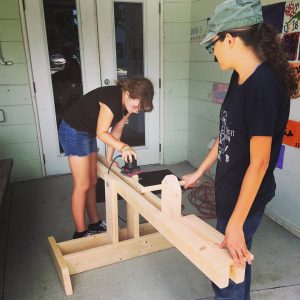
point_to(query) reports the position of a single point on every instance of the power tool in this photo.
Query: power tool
(131, 168)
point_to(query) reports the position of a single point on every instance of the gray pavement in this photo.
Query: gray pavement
(41, 208)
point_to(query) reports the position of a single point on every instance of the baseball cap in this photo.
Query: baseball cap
(233, 14)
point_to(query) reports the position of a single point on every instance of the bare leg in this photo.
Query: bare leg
(79, 166)
(91, 193)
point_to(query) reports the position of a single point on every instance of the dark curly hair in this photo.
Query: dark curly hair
(266, 43)
(139, 88)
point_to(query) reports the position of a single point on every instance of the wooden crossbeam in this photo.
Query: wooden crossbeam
(112, 253)
(197, 240)
(76, 256)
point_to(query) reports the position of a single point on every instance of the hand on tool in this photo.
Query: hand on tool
(128, 153)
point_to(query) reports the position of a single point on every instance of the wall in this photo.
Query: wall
(203, 114)
(176, 49)
(203, 124)
(18, 134)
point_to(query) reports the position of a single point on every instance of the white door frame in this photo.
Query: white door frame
(34, 15)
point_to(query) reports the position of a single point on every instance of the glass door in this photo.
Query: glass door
(129, 46)
(61, 23)
(64, 52)
(129, 39)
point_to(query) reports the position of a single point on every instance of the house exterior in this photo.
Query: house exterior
(185, 118)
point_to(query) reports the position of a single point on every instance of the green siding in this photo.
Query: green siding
(18, 134)
(10, 30)
(176, 46)
(9, 9)
(15, 94)
(14, 74)
(14, 51)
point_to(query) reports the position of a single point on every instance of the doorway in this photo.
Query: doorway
(76, 46)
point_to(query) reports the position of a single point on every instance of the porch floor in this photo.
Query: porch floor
(41, 208)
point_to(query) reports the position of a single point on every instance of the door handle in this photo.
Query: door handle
(2, 115)
(106, 81)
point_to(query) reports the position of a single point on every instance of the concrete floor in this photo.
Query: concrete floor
(41, 208)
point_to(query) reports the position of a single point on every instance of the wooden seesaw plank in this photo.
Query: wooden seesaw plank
(213, 237)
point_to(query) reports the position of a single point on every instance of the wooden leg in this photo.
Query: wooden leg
(61, 266)
(133, 219)
(111, 202)
(133, 228)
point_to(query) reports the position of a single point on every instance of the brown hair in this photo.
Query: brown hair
(266, 43)
(139, 88)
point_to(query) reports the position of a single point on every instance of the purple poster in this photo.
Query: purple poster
(280, 158)
(219, 92)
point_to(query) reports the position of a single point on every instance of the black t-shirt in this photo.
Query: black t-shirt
(83, 115)
(258, 107)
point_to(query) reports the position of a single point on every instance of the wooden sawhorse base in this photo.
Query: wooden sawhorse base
(76, 256)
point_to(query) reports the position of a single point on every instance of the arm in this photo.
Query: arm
(210, 159)
(104, 123)
(260, 149)
(116, 132)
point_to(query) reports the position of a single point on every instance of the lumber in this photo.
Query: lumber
(133, 218)
(132, 222)
(111, 204)
(61, 266)
(112, 253)
(194, 238)
(97, 240)
(171, 197)
(213, 237)
(213, 262)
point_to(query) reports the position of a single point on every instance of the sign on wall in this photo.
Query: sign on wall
(198, 31)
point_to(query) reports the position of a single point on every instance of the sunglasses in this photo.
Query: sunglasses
(211, 46)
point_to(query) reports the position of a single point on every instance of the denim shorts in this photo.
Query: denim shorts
(75, 142)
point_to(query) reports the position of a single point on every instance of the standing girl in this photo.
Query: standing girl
(252, 122)
(92, 116)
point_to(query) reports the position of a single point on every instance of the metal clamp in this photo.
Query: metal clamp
(3, 119)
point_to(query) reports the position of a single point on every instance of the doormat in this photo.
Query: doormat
(145, 179)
